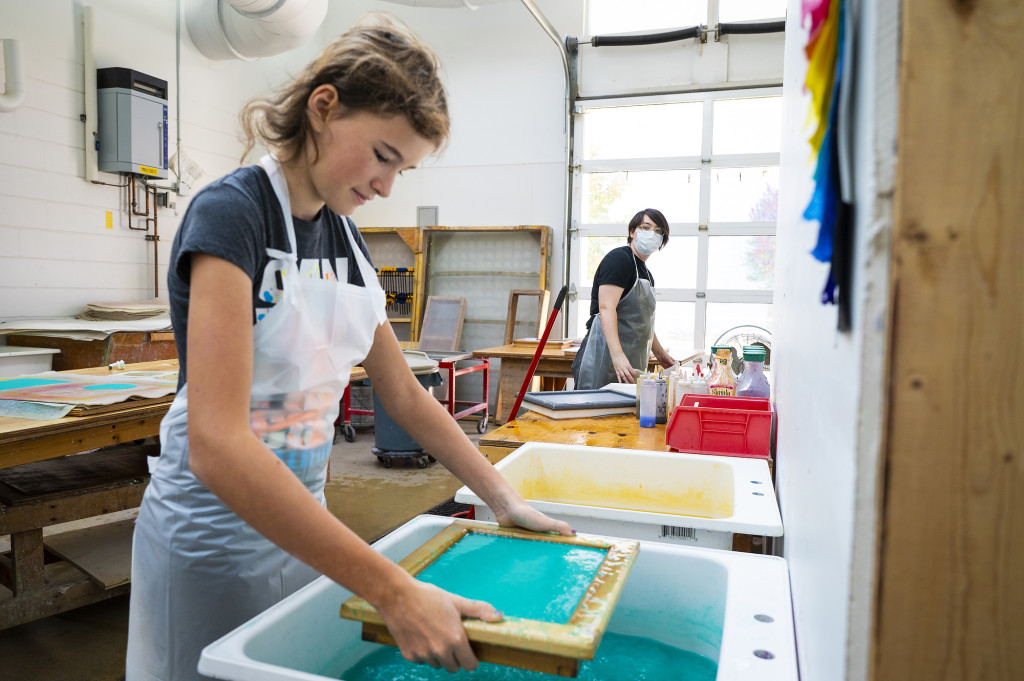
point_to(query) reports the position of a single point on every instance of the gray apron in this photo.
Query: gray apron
(198, 570)
(592, 368)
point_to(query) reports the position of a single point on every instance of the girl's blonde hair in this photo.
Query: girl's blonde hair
(378, 66)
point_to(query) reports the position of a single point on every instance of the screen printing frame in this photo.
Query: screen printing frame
(514, 641)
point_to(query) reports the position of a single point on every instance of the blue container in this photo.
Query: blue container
(390, 440)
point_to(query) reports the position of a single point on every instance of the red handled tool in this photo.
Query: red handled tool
(540, 349)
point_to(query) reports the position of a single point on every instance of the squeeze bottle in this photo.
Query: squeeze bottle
(683, 385)
(648, 402)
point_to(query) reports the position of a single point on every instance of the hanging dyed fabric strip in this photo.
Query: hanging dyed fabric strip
(828, 70)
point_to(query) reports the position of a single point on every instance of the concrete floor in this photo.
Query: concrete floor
(88, 644)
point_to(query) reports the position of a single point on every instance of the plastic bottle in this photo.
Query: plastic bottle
(722, 380)
(698, 385)
(648, 402)
(684, 384)
(752, 382)
(640, 378)
(661, 402)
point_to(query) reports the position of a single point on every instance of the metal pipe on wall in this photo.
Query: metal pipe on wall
(563, 52)
(91, 118)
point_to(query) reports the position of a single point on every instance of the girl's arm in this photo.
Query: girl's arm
(434, 429)
(229, 459)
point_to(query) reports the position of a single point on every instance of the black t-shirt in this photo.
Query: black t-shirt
(238, 218)
(617, 268)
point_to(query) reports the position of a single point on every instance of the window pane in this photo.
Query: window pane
(675, 266)
(651, 131)
(744, 194)
(616, 16)
(747, 126)
(673, 322)
(594, 250)
(741, 262)
(750, 10)
(582, 317)
(722, 317)
(610, 198)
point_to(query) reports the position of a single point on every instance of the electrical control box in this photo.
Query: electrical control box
(132, 130)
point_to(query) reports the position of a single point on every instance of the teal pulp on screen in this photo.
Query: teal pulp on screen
(537, 580)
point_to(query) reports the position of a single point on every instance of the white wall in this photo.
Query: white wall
(829, 385)
(505, 162)
(56, 254)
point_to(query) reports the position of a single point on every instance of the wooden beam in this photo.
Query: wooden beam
(66, 589)
(27, 561)
(950, 598)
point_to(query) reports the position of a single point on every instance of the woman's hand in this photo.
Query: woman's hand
(518, 513)
(427, 625)
(624, 371)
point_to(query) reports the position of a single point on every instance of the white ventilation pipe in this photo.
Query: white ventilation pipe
(250, 29)
(14, 76)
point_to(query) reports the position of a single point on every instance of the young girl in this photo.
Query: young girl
(273, 300)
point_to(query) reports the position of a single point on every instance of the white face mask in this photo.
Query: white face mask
(646, 242)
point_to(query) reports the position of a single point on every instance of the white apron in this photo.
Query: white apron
(593, 368)
(198, 570)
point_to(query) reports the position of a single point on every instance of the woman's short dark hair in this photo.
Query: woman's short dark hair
(656, 217)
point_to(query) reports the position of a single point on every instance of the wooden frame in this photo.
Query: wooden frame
(543, 300)
(539, 646)
(417, 240)
(441, 330)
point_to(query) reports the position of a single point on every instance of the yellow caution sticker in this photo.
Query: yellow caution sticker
(146, 170)
(110, 220)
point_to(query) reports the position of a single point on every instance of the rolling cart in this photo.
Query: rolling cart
(449, 362)
(345, 419)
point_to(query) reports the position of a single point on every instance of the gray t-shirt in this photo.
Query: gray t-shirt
(238, 218)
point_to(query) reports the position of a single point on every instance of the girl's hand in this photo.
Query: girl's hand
(518, 512)
(427, 625)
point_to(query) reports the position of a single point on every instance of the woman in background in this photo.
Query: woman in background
(617, 346)
(273, 300)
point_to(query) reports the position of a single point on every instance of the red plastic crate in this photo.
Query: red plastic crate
(717, 424)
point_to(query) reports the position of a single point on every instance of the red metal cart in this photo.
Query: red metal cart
(446, 362)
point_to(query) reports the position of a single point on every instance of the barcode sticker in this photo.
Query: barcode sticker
(672, 532)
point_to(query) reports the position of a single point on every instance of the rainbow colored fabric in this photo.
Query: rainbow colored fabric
(824, 52)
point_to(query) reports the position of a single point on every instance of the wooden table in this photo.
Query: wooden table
(41, 486)
(554, 367)
(27, 440)
(133, 347)
(621, 431)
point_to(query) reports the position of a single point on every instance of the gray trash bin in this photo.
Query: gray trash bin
(390, 440)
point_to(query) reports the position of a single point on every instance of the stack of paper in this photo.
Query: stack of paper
(576, 404)
(549, 344)
(124, 311)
